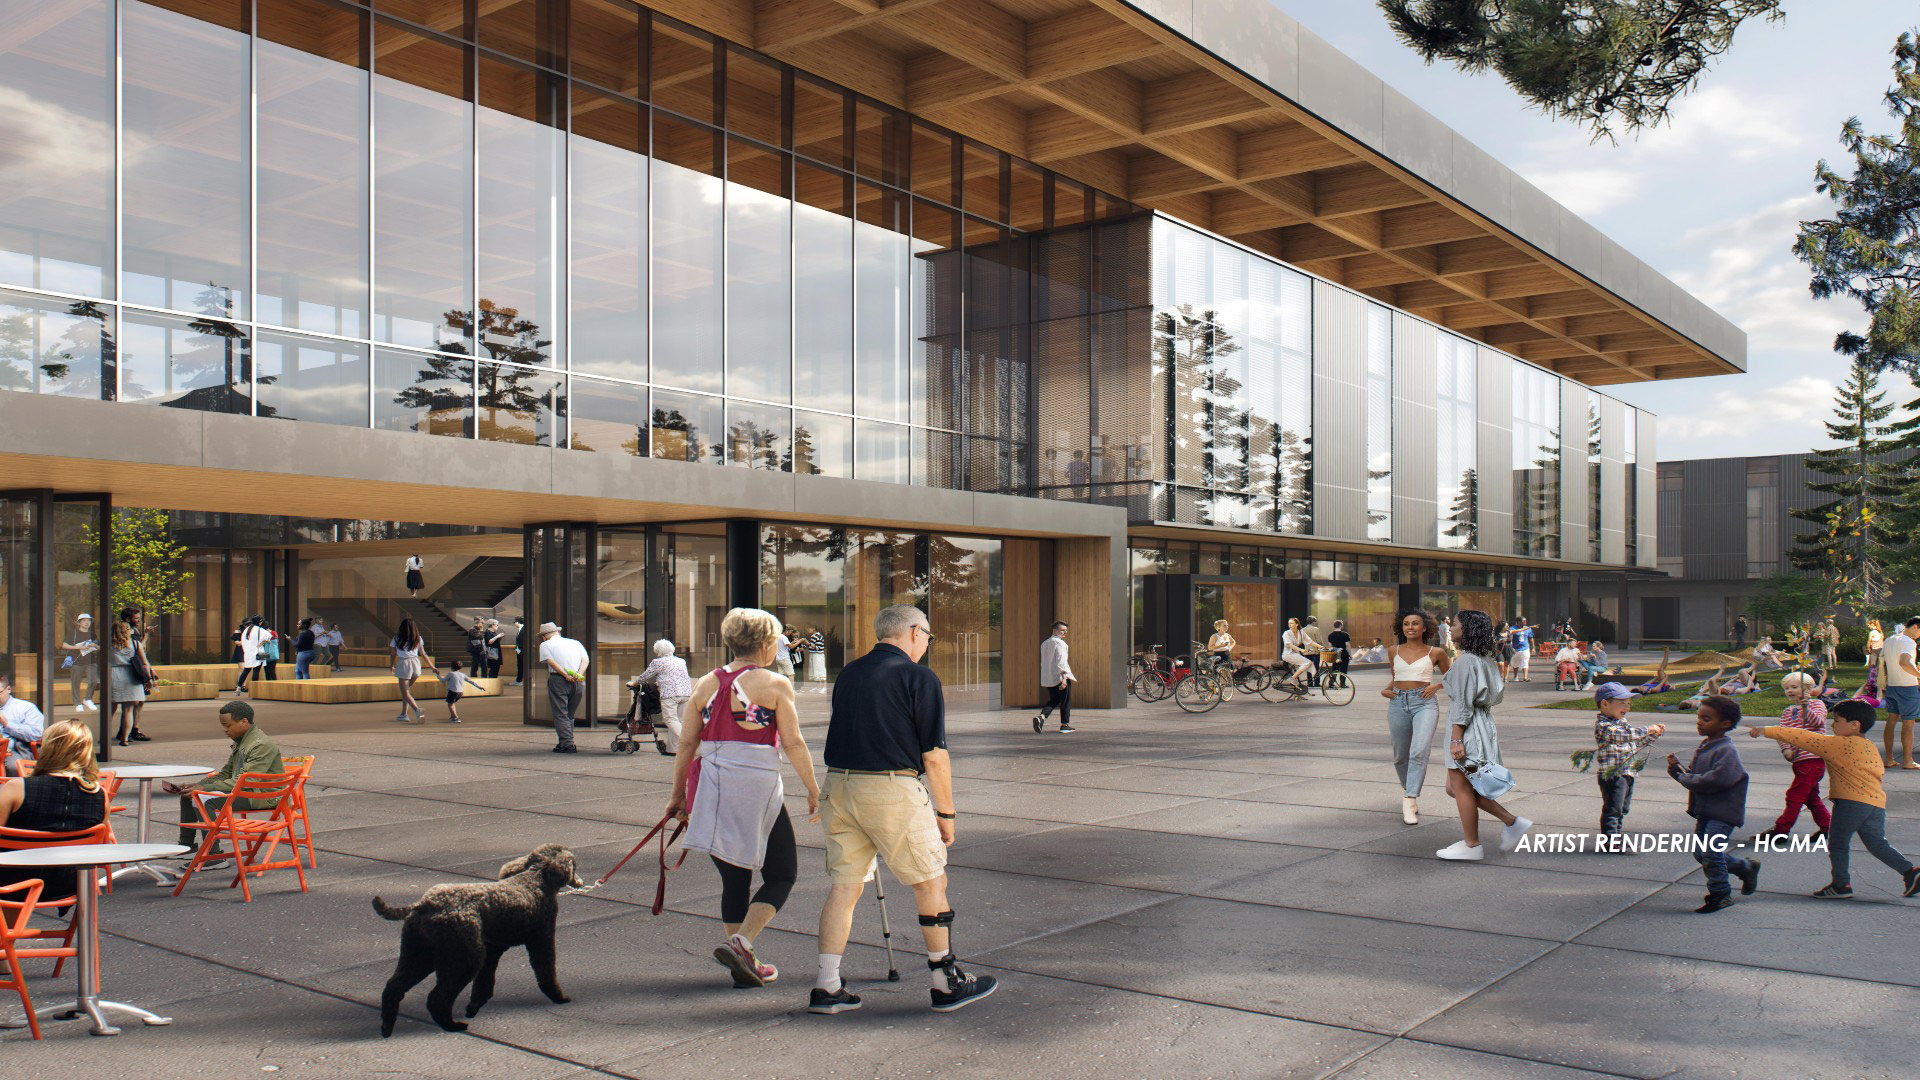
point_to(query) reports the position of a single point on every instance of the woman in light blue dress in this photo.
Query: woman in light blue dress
(1474, 687)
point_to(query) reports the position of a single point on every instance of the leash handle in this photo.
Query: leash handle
(666, 841)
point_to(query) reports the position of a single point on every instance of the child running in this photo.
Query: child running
(1716, 784)
(1617, 757)
(1805, 712)
(456, 683)
(1854, 769)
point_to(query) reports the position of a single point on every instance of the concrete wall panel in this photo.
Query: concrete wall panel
(1339, 412)
(1573, 471)
(1415, 423)
(1494, 449)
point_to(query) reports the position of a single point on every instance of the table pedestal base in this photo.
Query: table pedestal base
(159, 876)
(95, 1010)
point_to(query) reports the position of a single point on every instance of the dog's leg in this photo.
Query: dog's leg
(540, 954)
(483, 982)
(458, 962)
(416, 963)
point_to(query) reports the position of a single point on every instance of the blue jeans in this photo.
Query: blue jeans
(1411, 720)
(1718, 864)
(1851, 816)
(300, 662)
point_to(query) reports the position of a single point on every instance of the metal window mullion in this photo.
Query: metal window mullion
(253, 204)
(119, 200)
(473, 233)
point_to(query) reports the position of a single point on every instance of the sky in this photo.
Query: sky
(1711, 200)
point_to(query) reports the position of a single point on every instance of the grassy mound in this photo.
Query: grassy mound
(1768, 701)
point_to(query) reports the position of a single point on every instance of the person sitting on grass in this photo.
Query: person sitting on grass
(1744, 681)
(1765, 655)
(1716, 784)
(1658, 684)
(1594, 664)
(1692, 702)
(1854, 770)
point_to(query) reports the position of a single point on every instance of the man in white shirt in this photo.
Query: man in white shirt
(20, 722)
(1903, 690)
(1058, 678)
(566, 661)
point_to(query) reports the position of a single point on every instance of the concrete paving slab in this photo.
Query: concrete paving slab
(1439, 827)
(1159, 779)
(1367, 974)
(1668, 1016)
(334, 809)
(1355, 794)
(538, 790)
(1031, 1027)
(1501, 899)
(1311, 826)
(1036, 802)
(1156, 861)
(493, 837)
(1404, 1058)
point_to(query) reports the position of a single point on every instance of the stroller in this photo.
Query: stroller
(637, 724)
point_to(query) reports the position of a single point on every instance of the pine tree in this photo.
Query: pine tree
(1851, 547)
(1870, 248)
(1599, 62)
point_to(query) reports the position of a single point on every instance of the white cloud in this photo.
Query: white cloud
(1789, 413)
(1746, 270)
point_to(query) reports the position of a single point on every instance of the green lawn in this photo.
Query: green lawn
(1767, 702)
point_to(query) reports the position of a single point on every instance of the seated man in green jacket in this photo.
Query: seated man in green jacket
(253, 752)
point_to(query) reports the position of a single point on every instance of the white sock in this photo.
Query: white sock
(829, 977)
(940, 974)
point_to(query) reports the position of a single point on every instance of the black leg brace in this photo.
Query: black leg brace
(945, 918)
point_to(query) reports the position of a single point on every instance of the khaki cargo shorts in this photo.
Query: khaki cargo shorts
(888, 815)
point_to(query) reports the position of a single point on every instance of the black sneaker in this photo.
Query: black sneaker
(140, 736)
(1835, 892)
(1066, 729)
(566, 749)
(1750, 880)
(1715, 902)
(1039, 723)
(964, 989)
(832, 1003)
(1912, 878)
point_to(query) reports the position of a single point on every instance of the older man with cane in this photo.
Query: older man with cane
(888, 728)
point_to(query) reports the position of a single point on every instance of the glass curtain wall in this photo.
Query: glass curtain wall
(1593, 476)
(826, 584)
(1536, 462)
(1379, 433)
(1232, 375)
(1630, 453)
(485, 221)
(1456, 453)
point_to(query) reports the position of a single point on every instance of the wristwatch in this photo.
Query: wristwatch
(944, 817)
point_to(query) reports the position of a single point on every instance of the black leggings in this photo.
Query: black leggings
(776, 877)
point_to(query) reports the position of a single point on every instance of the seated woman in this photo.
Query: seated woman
(1594, 664)
(1658, 684)
(1567, 665)
(62, 795)
(1766, 656)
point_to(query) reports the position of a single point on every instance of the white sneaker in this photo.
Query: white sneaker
(1410, 810)
(1458, 851)
(1510, 836)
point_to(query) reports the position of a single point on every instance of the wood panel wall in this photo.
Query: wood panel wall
(1026, 608)
(1083, 588)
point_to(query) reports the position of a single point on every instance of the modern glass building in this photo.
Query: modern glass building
(1017, 309)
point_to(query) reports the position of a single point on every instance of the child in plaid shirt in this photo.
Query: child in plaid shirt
(1806, 712)
(1617, 758)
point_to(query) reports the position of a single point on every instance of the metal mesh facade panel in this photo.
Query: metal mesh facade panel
(1415, 420)
(1573, 472)
(1646, 490)
(1496, 377)
(1340, 350)
(1613, 481)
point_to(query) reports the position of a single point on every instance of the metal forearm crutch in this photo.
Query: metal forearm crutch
(886, 928)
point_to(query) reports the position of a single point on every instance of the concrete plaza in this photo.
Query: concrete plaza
(1231, 894)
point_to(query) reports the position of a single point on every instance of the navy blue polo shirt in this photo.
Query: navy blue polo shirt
(887, 711)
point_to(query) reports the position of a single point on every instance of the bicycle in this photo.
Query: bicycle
(1200, 691)
(1150, 682)
(1335, 686)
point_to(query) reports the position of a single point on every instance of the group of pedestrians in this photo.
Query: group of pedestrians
(887, 731)
(258, 649)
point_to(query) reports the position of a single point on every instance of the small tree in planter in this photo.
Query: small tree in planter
(149, 568)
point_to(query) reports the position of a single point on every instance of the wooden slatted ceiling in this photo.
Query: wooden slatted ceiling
(1099, 92)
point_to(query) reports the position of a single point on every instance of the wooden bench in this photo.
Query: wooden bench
(225, 674)
(178, 690)
(354, 690)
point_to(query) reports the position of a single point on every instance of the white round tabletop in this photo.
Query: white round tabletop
(90, 854)
(154, 772)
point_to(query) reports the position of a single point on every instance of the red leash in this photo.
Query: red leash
(666, 841)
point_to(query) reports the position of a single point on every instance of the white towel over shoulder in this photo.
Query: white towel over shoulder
(734, 807)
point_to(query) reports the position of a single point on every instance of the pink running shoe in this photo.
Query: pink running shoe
(737, 956)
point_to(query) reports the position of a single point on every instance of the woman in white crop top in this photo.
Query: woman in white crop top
(1412, 712)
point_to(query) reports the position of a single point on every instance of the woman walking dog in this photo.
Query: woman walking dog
(728, 771)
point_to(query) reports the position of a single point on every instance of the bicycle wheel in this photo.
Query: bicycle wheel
(1197, 693)
(1336, 687)
(1252, 678)
(1147, 686)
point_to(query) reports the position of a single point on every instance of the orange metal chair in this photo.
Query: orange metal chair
(297, 806)
(26, 897)
(271, 831)
(25, 839)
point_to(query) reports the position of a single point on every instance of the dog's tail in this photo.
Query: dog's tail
(388, 911)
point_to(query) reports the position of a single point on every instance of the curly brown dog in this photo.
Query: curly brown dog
(460, 931)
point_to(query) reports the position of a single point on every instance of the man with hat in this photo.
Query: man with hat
(566, 661)
(252, 752)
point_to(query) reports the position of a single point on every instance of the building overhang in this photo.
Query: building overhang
(1229, 115)
(1243, 538)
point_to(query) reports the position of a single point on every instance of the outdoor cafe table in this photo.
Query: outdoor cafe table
(89, 858)
(147, 774)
